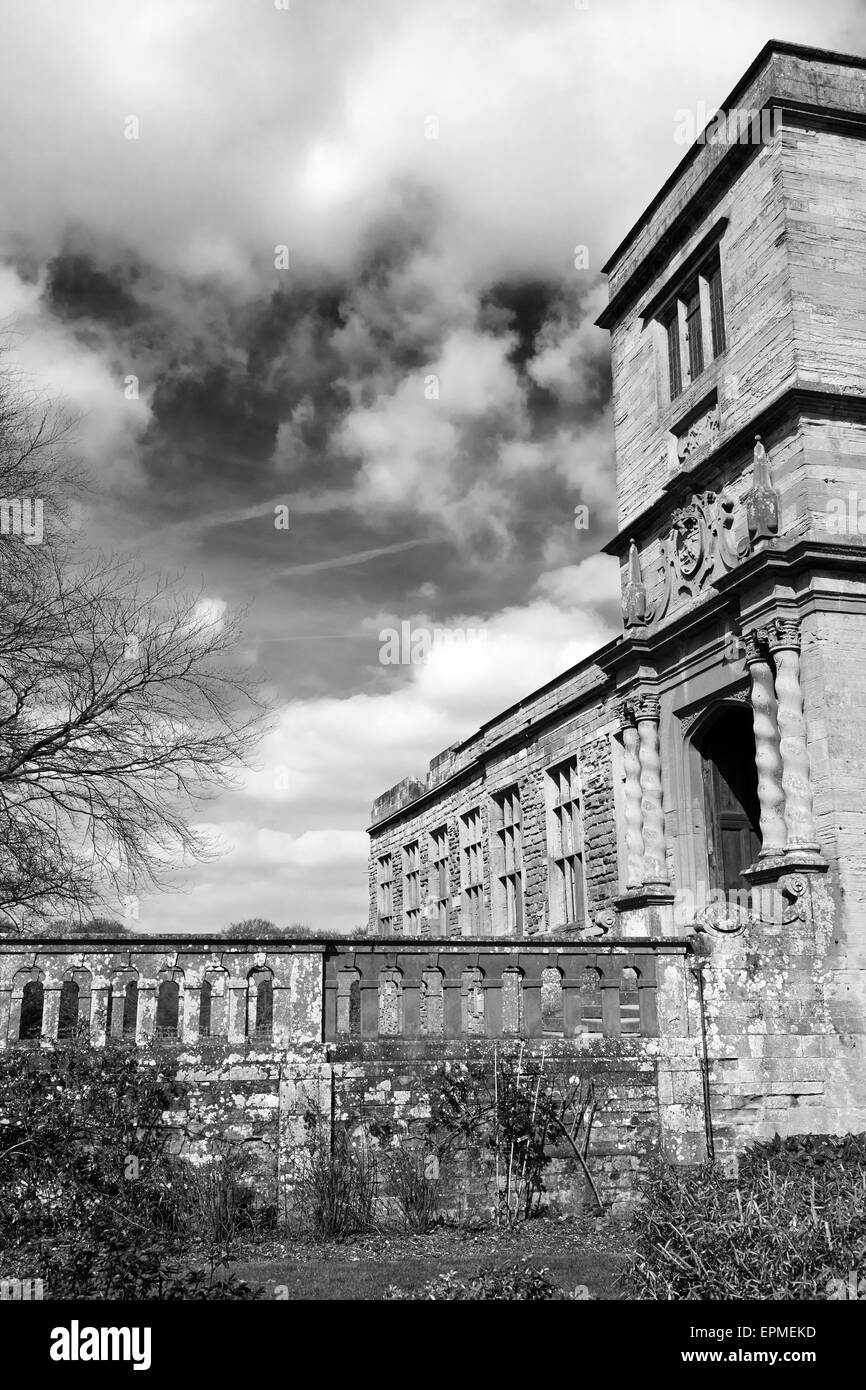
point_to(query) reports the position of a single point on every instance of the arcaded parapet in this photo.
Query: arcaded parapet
(181, 991)
(272, 1043)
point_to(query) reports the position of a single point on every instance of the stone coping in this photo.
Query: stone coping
(347, 944)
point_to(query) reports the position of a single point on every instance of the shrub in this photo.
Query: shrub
(110, 1267)
(514, 1283)
(216, 1201)
(91, 1199)
(790, 1226)
(518, 1109)
(335, 1189)
(82, 1135)
(415, 1188)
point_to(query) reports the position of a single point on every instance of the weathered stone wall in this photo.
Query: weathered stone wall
(379, 1090)
(372, 1033)
(780, 1060)
(823, 182)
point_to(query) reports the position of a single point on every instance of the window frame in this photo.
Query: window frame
(507, 869)
(693, 322)
(385, 891)
(439, 875)
(565, 864)
(472, 872)
(412, 887)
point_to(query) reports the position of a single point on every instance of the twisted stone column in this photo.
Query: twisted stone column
(633, 813)
(784, 642)
(655, 859)
(767, 756)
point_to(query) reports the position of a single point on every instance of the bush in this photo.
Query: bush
(516, 1109)
(415, 1189)
(514, 1283)
(336, 1186)
(792, 1225)
(216, 1201)
(91, 1199)
(152, 1268)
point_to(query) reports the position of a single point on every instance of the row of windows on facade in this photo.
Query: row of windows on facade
(694, 326)
(566, 896)
(472, 994)
(259, 1020)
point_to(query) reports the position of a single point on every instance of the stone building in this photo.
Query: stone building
(699, 779)
(653, 869)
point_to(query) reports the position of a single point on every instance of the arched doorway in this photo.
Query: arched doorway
(725, 743)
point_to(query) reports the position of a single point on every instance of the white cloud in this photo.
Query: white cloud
(327, 759)
(260, 126)
(85, 381)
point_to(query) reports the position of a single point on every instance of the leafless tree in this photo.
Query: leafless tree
(120, 705)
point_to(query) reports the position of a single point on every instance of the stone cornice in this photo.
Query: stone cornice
(513, 739)
(784, 556)
(791, 400)
(349, 945)
(139, 945)
(713, 189)
(719, 176)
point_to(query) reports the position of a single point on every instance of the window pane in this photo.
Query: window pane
(717, 313)
(695, 337)
(674, 367)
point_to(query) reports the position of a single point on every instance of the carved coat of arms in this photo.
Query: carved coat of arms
(699, 549)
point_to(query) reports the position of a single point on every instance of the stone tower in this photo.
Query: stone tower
(737, 312)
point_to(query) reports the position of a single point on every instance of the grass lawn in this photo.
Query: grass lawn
(575, 1251)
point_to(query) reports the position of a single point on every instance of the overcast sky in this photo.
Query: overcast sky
(431, 166)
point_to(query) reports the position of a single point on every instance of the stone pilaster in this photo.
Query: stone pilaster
(145, 1025)
(767, 756)
(237, 1010)
(5, 1003)
(784, 642)
(188, 1026)
(655, 857)
(99, 997)
(51, 1010)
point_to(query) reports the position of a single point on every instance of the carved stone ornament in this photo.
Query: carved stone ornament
(701, 434)
(699, 549)
(762, 501)
(634, 608)
(602, 922)
(788, 902)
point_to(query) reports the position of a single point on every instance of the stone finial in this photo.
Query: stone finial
(634, 594)
(762, 500)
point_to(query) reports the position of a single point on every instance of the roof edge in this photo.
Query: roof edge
(773, 46)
